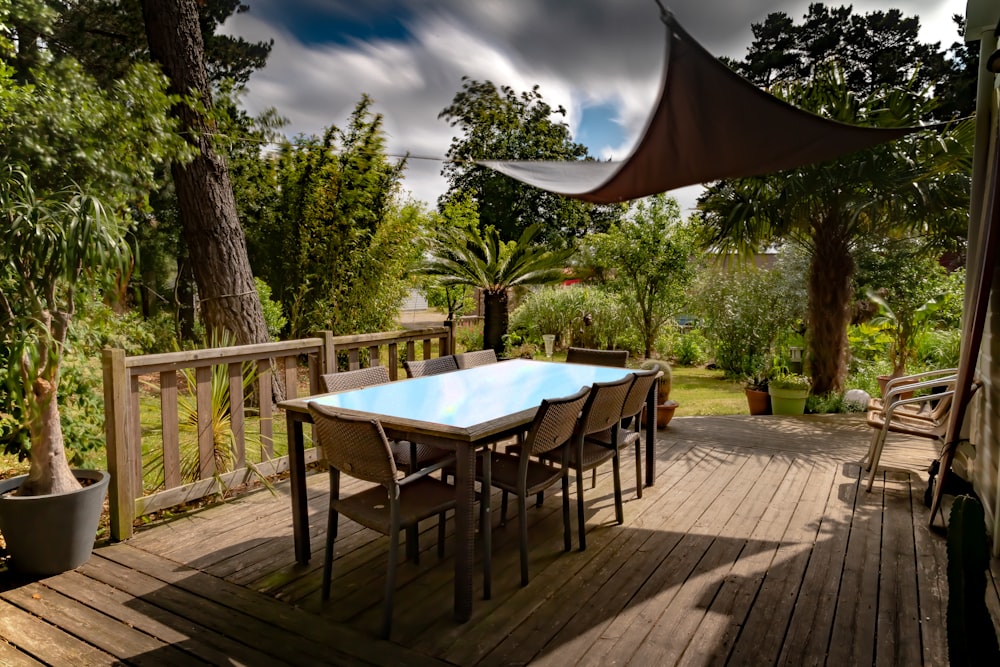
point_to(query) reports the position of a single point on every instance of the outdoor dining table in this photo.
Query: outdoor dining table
(462, 411)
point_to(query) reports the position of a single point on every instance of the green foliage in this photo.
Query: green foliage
(273, 316)
(500, 124)
(744, 313)
(337, 249)
(785, 380)
(972, 639)
(583, 316)
(830, 403)
(874, 50)
(459, 212)
(690, 351)
(647, 259)
(464, 256)
(939, 349)
(469, 337)
(917, 185)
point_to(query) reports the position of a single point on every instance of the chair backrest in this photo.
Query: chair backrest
(555, 422)
(586, 355)
(636, 398)
(435, 366)
(604, 405)
(359, 379)
(356, 446)
(477, 358)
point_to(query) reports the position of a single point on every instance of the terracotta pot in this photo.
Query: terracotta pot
(664, 413)
(758, 401)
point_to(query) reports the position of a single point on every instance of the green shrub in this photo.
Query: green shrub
(578, 315)
(690, 351)
(273, 317)
(469, 337)
(940, 349)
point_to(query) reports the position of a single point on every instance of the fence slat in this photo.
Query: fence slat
(170, 430)
(237, 413)
(393, 362)
(206, 434)
(266, 409)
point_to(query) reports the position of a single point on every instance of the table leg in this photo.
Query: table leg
(297, 475)
(651, 433)
(465, 482)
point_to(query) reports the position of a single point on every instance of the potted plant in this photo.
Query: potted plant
(48, 245)
(789, 392)
(758, 400)
(665, 408)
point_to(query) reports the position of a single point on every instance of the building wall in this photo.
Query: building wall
(984, 465)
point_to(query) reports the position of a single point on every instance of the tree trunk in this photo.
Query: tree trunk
(213, 234)
(830, 295)
(494, 320)
(49, 472)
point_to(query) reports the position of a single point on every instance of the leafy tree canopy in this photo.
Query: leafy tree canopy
(873, 50)
(648, 258)
(501, 124)
(339, 242)
(917, 186)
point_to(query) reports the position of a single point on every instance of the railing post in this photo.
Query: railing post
(450, 323)
(329, 361)
(121, 491)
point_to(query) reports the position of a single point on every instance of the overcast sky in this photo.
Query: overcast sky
(600, 59)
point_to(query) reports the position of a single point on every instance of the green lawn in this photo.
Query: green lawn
(706, 392)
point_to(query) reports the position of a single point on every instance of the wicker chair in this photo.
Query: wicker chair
(409, 456)
(602, 411)
(358, 447)
(435, 366)
(635, 401)
(586, 355)
(524, 476)
(477, 358)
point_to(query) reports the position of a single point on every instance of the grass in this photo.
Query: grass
(706, 392)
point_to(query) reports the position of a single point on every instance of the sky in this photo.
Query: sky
(600, 59)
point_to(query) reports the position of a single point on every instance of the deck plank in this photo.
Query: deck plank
(757, 545)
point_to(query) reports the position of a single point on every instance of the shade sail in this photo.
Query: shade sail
(709, 123)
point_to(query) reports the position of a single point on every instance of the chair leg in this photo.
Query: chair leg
(331, 536)
(619, 511)
(593, 478)
(503, 509)
(638, 469)
(522, 516)
(581, 521)
(567, 536)
(441, 519)
(413, 544)
(486, 526)
(390, 580)
(876, 455)
(539, 499)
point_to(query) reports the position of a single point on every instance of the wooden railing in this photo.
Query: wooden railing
(246, 375)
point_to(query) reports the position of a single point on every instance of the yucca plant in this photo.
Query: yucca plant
(48, 244)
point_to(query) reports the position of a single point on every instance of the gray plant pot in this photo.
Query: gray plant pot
(53, 533)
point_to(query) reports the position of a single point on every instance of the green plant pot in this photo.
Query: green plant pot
(788, 401)
(54, 533)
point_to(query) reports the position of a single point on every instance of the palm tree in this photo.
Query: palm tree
(464, 256)
(916, 186)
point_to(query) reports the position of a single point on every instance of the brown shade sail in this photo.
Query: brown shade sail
(709, 124)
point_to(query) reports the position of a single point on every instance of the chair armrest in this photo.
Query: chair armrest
(423, 472)
(917, 386)
(916, 399)
(918, 377)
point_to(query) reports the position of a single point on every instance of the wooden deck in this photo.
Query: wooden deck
(757, 545)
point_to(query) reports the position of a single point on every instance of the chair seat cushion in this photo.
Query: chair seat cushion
(626, 438)
(504, 470)
(418, 500)
(593, 455)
